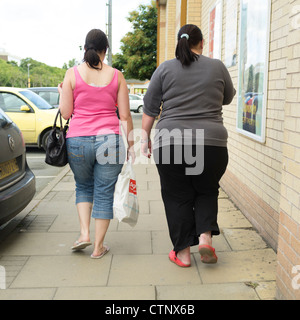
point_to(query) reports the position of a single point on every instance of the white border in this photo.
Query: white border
(262, 138)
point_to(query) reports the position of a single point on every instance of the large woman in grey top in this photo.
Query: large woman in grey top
(189, 92)
(192, 98)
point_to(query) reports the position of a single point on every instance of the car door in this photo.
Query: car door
(21, 113)
(134, 103)
(51, 97)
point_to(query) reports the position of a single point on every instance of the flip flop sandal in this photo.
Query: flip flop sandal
(173, 257)
(81, 245)
(106, 249)
(208, 254)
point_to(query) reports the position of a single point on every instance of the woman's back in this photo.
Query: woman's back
(98, 78)
(194, 91)
(192, 97)
(95, 98)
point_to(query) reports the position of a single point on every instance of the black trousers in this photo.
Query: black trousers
(190, 200)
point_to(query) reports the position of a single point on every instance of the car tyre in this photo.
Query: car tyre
(140, 109)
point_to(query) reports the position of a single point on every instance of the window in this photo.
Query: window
(10, 102)
(253, 68)
(51, 97)
(36, 99)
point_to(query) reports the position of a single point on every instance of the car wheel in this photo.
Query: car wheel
(140, 109)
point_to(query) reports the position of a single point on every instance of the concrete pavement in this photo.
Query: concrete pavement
(39, 264)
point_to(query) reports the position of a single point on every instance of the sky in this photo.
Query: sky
(52, 31)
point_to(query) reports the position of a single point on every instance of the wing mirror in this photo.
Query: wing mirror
(25, 108)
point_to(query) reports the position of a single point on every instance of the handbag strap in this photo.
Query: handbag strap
(60, 119)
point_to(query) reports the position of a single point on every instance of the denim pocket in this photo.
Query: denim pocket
(75, 153)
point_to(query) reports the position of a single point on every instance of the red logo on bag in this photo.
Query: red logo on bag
(132, 186)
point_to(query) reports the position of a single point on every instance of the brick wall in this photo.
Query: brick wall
(258, 167)
(171, 29)
(162, 33)
(194, 10)
(289, 226)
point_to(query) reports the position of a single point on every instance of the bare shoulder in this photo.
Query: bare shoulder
(120, 76)
(70, 73)
(70, 77)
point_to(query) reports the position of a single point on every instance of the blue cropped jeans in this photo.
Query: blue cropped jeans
(96, 162)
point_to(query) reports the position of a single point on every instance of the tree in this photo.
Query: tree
(137, 59)
(70, 64)
(12, 75)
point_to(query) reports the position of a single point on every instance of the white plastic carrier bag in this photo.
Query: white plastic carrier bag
(126, 207)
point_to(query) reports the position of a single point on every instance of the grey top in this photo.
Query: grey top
(191, 98)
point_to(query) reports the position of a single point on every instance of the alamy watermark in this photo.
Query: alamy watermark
(188, 148)
(2, 278)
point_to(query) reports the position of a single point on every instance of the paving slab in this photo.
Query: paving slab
(106, 293)
(131, 243)
(156, 207)
(240, 266)
(233, 219)
(32, 244)
(64, 186)
(63, 271)
(49, 207)
(244, 239)
(135, 270)
(146, 222)
(266, 290)
(27, 294)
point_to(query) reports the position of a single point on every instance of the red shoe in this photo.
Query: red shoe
(208, 254)
(173, 258)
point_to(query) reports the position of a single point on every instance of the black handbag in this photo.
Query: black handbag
(56, 149)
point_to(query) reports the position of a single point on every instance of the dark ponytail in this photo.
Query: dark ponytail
(95, 42)
(189, 36)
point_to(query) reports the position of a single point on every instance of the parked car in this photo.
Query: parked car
(17, 182)
(31, 113)
(50, 94)
(136, 103)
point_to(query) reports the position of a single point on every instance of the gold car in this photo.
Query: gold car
(33, 115)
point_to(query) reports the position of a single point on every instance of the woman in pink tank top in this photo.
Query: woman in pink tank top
(96, 152)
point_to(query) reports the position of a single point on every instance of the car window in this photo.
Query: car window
(10, 102)
(36, 100)
(51, 97)
(133, 97)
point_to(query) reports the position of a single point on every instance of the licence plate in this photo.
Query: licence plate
(8, 168)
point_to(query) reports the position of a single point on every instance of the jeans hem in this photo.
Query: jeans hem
(105, 215)
(84, 199)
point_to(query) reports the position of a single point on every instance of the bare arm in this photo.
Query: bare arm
(147, 124)
(125, 115)
(65, 89)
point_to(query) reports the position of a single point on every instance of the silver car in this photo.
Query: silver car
(17, 182)
(50, 94)
(136, 103)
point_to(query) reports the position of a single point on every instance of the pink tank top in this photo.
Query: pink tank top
(94, 109)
